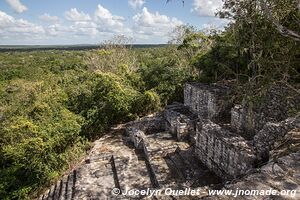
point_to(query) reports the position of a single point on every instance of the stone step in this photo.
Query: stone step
(192, 162)
(63, 189)
(114, 164)
(184, 176)
(181, 165)
(188, 171)
(95, 180)
(51, 192)
(150, 167)
(98, 157)
(159, 146)
(57, 190)
(70, 185)
(152, 174)
(132, 170)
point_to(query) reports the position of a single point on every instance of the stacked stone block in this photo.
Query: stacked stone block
(208, 101)
(245, 121)
(227, 154)
(180, 121)
(222, 150)
(136, 136)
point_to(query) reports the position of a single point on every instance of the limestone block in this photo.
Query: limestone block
(208, 101)
(137, 137)
(227, 154)
(180, 121)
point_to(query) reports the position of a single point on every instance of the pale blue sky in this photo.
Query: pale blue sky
(92, 21)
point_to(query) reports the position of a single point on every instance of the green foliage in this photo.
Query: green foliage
(147, 102)
(269, 55)
(165, 71)
(110, 102)
(222, 61)
(253, 50)
(53, 102)
(39, 135)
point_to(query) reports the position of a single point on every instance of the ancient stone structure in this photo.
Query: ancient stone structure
(282, 175)
(244, 120)
(208, 101)
(271, 133)
(286, 144)
(200, 144)
(180, 122)
(223, 151)
(149, 124)
(227, 154)
(230, 150)
(137, 137)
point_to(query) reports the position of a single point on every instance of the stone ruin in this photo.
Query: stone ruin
(216, 143)
(232, 139)
(227, 154)
(207, 101)
(180, 122)
(203, 143)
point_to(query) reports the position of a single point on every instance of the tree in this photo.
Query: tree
(285, 31)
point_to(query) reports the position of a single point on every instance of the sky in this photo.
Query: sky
(61, 22)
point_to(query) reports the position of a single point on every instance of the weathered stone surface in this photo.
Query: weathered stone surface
(149, 124)
(237, 118)
(280, 100)
(180, 121)
(136, 136)
(280, 175)
(227, 154)
(150, 167)
(208, 101)
(287, 144)
(272, 132)
(244, 120)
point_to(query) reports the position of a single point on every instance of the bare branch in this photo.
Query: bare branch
(282, 30)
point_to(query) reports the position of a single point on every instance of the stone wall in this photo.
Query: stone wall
(244, 121)
(237, 118)
(140, 143)
(229, 150)
(287, 144)
(208, 101)
(180, 122)
(227, 154)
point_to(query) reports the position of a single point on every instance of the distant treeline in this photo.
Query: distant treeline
(7, 48)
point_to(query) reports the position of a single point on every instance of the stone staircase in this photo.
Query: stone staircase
(114, 162)
(63, 189)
